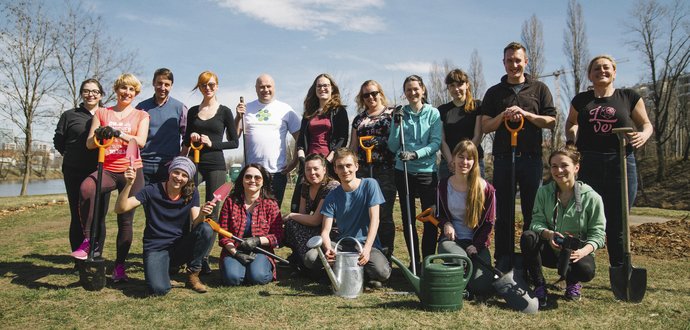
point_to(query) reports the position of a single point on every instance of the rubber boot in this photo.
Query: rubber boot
(195, 283)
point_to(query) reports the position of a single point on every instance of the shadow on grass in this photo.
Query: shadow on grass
(29, 275)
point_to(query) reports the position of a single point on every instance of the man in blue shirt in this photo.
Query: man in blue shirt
(168, 120)
(354, 206)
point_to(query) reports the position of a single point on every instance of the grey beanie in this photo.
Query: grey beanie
(183, 163)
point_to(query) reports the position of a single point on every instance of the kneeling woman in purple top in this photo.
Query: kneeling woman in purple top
(169, 208)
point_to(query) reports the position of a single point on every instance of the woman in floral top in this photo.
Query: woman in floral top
(301, 226)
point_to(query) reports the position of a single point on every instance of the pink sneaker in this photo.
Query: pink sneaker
(82, 252)
(119, 274)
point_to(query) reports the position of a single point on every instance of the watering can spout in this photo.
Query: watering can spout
(414, 280)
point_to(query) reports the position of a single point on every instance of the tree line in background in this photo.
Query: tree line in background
(46, 50)
(657, 33)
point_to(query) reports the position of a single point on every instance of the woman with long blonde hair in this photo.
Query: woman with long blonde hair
(466, 212)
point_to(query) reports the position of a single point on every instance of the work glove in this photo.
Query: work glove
(398, 114)
(106, 132)
(250, 244)
(407, 155)
(245, 258)
(377, 141)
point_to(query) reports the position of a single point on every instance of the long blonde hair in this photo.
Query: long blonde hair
(475, 194)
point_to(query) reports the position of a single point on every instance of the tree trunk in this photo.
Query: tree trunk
(27, 161)
(661, 163)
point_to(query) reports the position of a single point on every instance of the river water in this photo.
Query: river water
(36, 187)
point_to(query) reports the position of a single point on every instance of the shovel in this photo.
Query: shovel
(511, 226)
(367, 149)
(92, 270)
(133, 154)
(196, 158)
(627, 282)
(216, 227)
(222, 192)
(513, 289)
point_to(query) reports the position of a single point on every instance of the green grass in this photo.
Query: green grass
(38, 289)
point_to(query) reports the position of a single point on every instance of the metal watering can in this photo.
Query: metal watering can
(347, 276)
(440, 286)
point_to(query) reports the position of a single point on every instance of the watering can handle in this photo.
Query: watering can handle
(348, 237)
(513, 131)
(445, 256)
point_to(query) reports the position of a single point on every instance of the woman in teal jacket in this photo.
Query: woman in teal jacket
(422, 128)
(567, 227)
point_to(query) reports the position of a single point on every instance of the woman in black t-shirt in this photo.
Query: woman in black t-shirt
(593, 114)
(460, 120)
(207, 123)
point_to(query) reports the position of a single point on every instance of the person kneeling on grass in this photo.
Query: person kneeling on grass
(355, 207)
(169, 207)
(467, 212)
(252, 214)
(567, 227)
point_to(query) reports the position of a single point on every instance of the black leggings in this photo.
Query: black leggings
(109, 182)
(73, 179)
(538, 252)
(424, 186)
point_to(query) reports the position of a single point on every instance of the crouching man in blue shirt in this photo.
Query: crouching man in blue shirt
(354, 206)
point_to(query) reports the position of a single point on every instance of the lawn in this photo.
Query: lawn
(39, 289)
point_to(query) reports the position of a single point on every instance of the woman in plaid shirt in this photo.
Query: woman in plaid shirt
(253, 214)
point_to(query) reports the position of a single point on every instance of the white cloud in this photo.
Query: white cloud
(414, 67)
(318, 16)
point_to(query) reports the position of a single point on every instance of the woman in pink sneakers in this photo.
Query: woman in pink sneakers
(567, 227)
(124, 124)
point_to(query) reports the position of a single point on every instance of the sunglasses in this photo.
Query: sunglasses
(373, 94)
(256, 178)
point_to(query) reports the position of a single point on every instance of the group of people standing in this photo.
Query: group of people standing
(345, 190)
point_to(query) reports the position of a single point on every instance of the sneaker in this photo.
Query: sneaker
(573, 291)
(119, 274)
(540, 293)
(82, 252)
(375, 285)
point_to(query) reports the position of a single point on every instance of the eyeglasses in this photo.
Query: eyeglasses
(91, 91)
(320, 86)
(208, 86)
(257, 178)
(373, 94)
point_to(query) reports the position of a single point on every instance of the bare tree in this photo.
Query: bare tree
(26, 76)
(438, 94)
(661, 34)
(533, 40)
(476, 75)
(575, 48)
(83, 51)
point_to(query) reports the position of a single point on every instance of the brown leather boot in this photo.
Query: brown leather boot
(195, 283)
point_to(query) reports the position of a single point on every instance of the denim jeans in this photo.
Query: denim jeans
(259, 271)
(602, 172)
(278, 183)
(424, 186)
(528, 176)
(155, 170)
(385, 177)
(190, 249)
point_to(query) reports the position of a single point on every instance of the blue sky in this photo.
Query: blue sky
(353, 40)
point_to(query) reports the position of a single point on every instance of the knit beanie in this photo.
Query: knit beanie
(183, 163)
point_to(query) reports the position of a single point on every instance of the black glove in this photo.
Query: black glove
(250, 244)
(106, 132)
(245, 258)
(407, 155)
(398, 114)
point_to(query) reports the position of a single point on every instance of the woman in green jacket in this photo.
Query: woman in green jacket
(567, 227)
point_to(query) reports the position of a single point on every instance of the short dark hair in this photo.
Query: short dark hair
(164, 72)
(514, 46)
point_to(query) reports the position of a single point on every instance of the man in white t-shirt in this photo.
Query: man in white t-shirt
(267, 122)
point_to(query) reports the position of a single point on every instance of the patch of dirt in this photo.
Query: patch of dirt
(18, 209)
(666, 240)
(670, 193)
